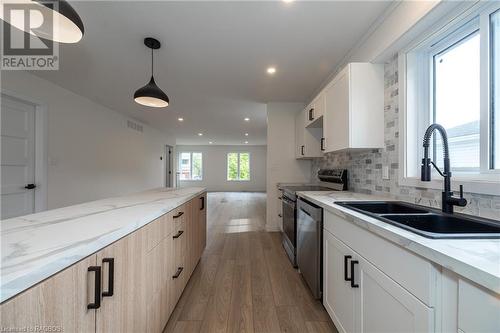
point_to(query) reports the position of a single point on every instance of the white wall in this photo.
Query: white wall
(91, 152)
(396, 27)
(282, 167)
(215, 168)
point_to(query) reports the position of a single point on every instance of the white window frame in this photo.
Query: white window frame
(415, 100)
(191, 166)
(249, 166)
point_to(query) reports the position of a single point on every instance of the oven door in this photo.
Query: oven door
(289, 228)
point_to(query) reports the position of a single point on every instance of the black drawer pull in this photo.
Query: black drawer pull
(346, 270)
(178, 273)
(179, 214)
(178, 234)
(302, 150)
(111, 276)
(311, 114)
(97, 287)
(202, 203)
(353, 285)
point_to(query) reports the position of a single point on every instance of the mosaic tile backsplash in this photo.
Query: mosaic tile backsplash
(365, 168)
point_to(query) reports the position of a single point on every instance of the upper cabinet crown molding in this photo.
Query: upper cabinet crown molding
(354, 108)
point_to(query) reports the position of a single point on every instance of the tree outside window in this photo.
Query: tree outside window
(238, 166)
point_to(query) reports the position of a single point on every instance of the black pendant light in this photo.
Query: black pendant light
(61, 23)
(151, 95)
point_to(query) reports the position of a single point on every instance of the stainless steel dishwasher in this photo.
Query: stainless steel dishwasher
(310, 245)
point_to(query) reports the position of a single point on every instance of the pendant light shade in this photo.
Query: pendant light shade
(58, 21)
(151, 95)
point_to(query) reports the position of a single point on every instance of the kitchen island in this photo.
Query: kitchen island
(144, 245)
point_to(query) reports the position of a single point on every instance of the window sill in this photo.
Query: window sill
(487, 185)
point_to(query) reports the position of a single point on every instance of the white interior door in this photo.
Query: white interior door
(17, 157)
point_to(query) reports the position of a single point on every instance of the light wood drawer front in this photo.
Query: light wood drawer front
(418, 276)
(167, 224)
(180, 215)
(153, 232)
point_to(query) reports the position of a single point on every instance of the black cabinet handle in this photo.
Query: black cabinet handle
(311, 114)
(178, 215)
(280, 215)
(178, 273)
(322, 144)
(202, 203)
(353, 285)
(346, 273)
(30, 186)
(302, 150)
(178, 234)
(97, 287)
(111, 276)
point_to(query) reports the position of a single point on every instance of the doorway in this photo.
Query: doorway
(169, 166)
(22, 163)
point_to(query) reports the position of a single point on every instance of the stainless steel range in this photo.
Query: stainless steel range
(337, 181)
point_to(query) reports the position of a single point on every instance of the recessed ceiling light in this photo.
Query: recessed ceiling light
(287, 1)
(180, 119)
(246, 134)
(210, 142)
(247, 119)
(200, 134)
(246, 142)
(271, 70)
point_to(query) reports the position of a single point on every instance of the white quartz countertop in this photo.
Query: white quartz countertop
(475, 259)
(35, 247)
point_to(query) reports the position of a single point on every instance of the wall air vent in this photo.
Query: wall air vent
(135, 126)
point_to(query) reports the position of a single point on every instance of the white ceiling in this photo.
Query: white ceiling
(213, 59)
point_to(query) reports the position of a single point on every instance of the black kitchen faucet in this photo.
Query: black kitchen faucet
(448, 200)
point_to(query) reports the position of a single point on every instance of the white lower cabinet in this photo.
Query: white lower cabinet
(478, 309)
(372, 301)
(338, 297)
(384, 306)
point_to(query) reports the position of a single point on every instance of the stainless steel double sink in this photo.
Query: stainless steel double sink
(427, 222)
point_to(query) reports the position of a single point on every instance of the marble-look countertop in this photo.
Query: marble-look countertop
(475, 259)
(281, 185)
(37, 246)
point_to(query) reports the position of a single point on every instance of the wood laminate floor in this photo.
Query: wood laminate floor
(244, 281)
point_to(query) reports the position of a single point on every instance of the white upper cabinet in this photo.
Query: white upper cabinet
(315, 112)
(307, 140)
(354, 108)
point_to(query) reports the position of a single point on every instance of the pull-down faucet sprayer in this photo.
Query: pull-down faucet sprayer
(448, 200)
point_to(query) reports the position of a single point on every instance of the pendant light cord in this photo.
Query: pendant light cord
(152, 64)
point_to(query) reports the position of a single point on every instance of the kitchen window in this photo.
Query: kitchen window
(190, 166)
(451, 77)
(238, 166)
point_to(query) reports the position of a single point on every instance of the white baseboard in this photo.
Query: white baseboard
(272, 228)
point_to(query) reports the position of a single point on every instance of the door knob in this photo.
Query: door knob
(30, 186)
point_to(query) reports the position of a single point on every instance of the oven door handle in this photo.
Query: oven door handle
(305, 212)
